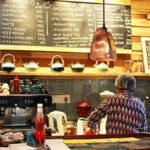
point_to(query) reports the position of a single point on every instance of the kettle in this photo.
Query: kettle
(102, 66)
(8, 66)
(58, 122)
(77, 67)
(57, 66)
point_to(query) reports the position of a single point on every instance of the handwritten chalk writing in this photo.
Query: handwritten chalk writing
(12, 19)
(18, 1)
(64, 24)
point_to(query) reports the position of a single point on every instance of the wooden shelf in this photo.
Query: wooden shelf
(88, 73)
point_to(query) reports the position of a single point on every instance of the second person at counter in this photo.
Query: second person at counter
(125, 112)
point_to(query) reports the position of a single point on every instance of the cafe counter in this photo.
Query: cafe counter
(107, 142)
(139, 141)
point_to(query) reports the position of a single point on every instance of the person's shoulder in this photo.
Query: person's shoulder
(138, 100)
(115, 96)
(112, 97)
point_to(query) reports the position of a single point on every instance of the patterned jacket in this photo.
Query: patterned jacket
(125, 114)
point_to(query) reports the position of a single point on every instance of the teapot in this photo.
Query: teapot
(77, 67)
(31, 65)
(8, 66)
(57, 66)
(102, 66)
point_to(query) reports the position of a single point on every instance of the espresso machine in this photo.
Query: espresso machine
(20, 109)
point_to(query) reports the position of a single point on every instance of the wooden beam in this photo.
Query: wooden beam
(140, 22)
(140, 7)
(137, 46)
(139, 16)
(136, 39)
(140, 31)
(148, 16)
(137, 55)
(34, 54)
(121, 2)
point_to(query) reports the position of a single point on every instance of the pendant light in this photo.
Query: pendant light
(103, 46)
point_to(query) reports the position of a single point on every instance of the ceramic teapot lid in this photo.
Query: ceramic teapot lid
(31, 64)
(77, 65)
(8, 64)
(102, 66)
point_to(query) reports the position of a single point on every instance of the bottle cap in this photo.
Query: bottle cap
(40, 105)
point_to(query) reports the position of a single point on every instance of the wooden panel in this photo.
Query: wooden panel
(122, 2)
(140, 6)
(148, 16)
(140, 26)
(46, 54)
(136, 39)
(139, 16)
(136, 46)
(140, 22)
(122, 57)
(137, 56)
(140, 31)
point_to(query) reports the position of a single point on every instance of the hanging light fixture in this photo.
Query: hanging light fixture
(103, 46)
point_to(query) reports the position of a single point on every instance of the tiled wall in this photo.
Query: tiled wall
(86, 90)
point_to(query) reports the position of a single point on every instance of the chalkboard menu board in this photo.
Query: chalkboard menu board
(146, 53)
(61, 24)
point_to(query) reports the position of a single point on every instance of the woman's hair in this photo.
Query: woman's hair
(126, 81)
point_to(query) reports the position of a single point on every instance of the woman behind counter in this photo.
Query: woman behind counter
(125, 112)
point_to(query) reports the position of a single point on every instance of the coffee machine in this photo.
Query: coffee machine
(20, 109)
(84, 109)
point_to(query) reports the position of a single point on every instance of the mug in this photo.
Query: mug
(71, 131)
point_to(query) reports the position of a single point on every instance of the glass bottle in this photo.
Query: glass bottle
(39, 120)
(16, 85)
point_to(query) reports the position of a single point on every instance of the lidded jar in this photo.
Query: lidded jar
(84, 109)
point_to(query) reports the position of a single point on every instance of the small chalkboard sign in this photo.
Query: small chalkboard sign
(146, 53)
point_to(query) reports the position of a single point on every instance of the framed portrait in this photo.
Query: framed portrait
(146, 53)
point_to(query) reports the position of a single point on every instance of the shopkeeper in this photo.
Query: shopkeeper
(125, 112)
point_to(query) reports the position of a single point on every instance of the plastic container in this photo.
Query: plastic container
(84, 109)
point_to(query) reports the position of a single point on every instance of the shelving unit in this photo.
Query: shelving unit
(88, 73)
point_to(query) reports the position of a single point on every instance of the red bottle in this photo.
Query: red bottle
(39, 132)
(16, 85)
(39, 120)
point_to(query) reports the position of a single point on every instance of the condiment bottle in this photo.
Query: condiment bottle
(39, 132)
(16, 85)
(39, 120)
